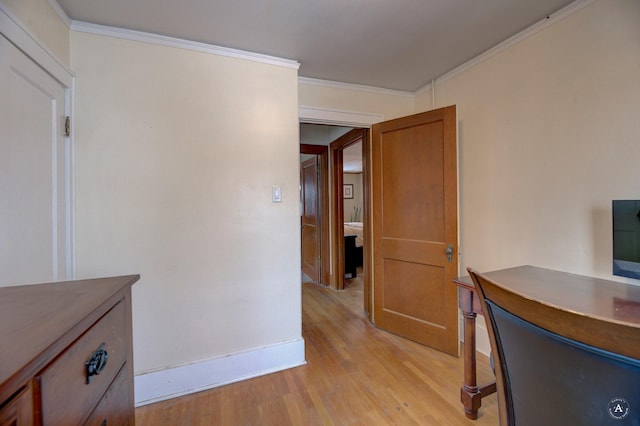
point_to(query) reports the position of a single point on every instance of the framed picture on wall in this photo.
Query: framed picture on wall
(347, 190)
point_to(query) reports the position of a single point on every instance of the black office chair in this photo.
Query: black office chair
(545, 372)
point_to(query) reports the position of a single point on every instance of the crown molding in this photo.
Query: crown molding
(349, 86)
(426, 88)
(141, 36)
(256, 57)
(554, 18)
(313, 115)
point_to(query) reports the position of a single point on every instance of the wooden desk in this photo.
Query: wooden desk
(470, 393)
(610, 301)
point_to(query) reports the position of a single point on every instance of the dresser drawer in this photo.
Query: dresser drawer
(18, 411)
(68, 396)
(113, 409)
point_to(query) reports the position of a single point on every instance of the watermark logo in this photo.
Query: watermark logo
(618, 408)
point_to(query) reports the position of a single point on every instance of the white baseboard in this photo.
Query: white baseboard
(198, 376)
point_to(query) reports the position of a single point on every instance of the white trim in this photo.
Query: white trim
(349, 86)
(195, 377)
(565, 12)
(430, 86)
(70, 185)
(61, 13)
(337, 117)
(126, 34)
(20, 36)
(23, 39)
(55, 176)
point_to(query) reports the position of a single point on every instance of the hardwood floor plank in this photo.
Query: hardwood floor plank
(355, 375)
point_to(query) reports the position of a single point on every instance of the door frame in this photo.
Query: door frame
(364, 120)
(337, 147)
(18, 34)
(323, 194)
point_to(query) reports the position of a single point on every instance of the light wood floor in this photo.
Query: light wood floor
(355, 375)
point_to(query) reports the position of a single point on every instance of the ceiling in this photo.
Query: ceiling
(392, 44)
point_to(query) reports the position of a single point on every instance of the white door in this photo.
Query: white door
(34, 188)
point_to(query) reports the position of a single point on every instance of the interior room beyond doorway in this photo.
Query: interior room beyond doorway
(350, 193)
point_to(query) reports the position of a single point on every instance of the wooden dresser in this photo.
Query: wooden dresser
(66, 353)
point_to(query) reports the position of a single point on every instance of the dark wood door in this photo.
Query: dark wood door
(310, 222)
(415, 227)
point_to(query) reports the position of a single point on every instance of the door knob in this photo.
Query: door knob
(449, 252)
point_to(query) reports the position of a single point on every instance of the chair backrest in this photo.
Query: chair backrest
(546, 374)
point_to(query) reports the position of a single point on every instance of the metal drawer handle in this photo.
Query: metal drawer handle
(97, 362)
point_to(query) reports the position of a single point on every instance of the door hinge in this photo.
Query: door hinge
(67, 126)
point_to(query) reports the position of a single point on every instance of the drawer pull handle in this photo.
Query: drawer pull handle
(97, 362)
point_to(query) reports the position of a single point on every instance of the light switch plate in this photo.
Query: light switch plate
(276, 194)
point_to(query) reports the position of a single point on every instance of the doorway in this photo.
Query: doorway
(346, 204)
(420, 133)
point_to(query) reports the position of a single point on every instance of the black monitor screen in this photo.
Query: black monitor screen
(626, 238)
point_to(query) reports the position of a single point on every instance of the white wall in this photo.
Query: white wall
(176, 155)
(549, 135)
(44, 23)
(354, 179)
(386, 103)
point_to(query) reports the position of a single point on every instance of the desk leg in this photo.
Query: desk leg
(470, 395)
